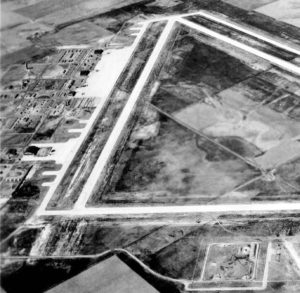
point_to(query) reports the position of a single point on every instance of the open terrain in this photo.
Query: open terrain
(161, 134)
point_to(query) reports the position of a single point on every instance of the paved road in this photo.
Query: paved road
(171, 209)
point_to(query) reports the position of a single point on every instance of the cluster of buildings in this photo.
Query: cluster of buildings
(45, 93)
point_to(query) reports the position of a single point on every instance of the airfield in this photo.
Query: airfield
(266, 54)
(173, 147)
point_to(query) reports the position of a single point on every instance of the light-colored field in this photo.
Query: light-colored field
(284, 152)
(283, 10)
(9, 19)
(249, 5)
(111, 275)
(264, 128)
